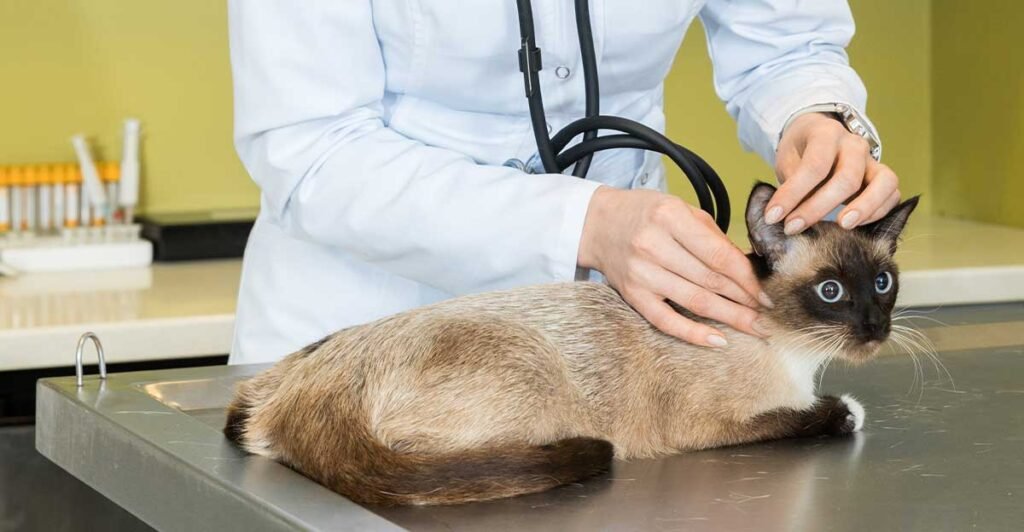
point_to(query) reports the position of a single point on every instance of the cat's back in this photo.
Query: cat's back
(572, 307)
(557, 315)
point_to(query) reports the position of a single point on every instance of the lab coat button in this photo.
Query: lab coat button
(562, 72)
(644, 177)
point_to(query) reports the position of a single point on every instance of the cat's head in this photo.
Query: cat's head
(833, 289)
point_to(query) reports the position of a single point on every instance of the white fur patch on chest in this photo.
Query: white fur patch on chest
(801, 367)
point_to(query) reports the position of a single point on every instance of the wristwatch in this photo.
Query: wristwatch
(855, 123)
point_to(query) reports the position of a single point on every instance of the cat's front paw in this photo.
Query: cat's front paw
(840, 415)
(855, 416)
(837, 416)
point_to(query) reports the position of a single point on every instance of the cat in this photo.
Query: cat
(518, 391)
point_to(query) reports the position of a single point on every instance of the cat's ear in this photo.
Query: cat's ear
(889, 228)
(768, 240)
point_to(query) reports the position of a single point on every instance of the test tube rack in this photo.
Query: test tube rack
(47, 225)
(80, 248)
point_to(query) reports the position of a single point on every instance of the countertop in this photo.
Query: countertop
(180, 310)
(169, 310)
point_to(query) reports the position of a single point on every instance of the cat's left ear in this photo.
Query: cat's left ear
(768, 240)
(889, 228)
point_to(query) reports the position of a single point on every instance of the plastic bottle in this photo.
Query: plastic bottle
(128, 195)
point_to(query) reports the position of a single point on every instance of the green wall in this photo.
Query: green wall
(978, 110)
(70, 66)
(83, 65)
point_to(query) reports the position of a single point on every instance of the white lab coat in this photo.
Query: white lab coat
(377, 130)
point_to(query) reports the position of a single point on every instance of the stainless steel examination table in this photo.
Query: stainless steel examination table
(933, 457)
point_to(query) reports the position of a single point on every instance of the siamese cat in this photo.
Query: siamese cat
(513, 392)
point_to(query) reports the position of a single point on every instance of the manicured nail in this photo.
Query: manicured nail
(773, 215)
(717, 341)
(793, 226)
(765, 300)
(850, 219)
(762, 328)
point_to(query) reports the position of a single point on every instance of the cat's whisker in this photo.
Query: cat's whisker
(808, 338)
(899, 338)
(919, 375)
(924, 344)
(831, 350)
(915, 310)
(917, 317)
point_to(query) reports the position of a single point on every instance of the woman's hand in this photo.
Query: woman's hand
(653, 246)
(821, 165)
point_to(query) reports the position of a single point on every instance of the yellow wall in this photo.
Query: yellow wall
(891, 53)
(82, 65)
(978, 110)
(70, 66)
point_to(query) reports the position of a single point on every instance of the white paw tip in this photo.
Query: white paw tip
(856, 410)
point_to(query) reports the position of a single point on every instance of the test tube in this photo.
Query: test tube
(44, 188)
(29, 198)
(59, 173)
(92, 190)
(17, 179)
(5, 199)
(84, 209)
(110, 172)
(72, 201)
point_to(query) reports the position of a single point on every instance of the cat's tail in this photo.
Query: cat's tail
(476, 475)
(369, 472)
(348, 458)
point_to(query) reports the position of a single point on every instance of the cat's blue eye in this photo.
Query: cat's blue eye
(883, 282)
(830, 291)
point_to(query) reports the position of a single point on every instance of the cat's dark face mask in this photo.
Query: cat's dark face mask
(834, 289)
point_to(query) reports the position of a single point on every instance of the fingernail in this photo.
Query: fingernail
(793, 226)
(765, 300)
(773, 215)
(761, 327)
(849, 219)
(717, 341)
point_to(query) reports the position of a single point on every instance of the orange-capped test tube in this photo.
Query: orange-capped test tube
(72, 189)
(59, 173)
(30, 198)
(110, 173)
(5, 199)
(44, 189)
(16, 176)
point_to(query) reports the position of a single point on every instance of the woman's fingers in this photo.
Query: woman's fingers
(670, 322)
(888, 205)
(676, 260)
(703, 302)
(712, 248)
(882, 183)
(815, 165)
(845, 182)
(695, 231)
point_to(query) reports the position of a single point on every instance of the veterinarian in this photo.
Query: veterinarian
(380, 135)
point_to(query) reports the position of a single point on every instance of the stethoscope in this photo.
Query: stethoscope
(711, 193)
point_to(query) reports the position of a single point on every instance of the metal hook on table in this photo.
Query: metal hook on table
(99, 354)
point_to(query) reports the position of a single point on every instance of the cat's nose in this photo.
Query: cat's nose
(873, 326)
